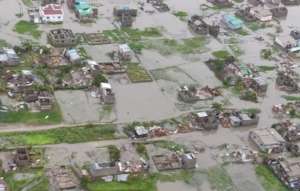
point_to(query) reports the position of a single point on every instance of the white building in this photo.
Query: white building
(52, 13)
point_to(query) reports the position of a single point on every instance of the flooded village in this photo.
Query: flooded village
(149, 95)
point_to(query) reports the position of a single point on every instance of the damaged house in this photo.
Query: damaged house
(111, 68)
(174, 161)
(125, 15)
(267, 140)
(262, 14)
(203, 26)
(287, 170)
(22, 157)
(279, 12)
(192, 94)
(159, 5)
(197, 25)
(221, 3)
(286, 82)
(8, 57)
(63, 179)
(62, 38)
(206, 120)
(288, 130)
(106, 94)
(238, 119)
(99, 170)
(245, 14)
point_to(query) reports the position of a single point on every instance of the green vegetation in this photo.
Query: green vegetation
(266, 68)
(59, 135)
(181, 15)
(139, 183)
(249, 95)
(137, 47)
(219, 179)
(98, 79)
(251, 110)
(36, 118)
(127, 35)
(242, 32)
(142, 150)
(222, 54)
(18, 180)
(137, 74)
(170, 145)
(291, 98)
(114, 153)
(255, 26)
(28, 3)
(26, 27)
(236, 49)
(266, 54)
(185, 46)
(3, 43)
(268, 180)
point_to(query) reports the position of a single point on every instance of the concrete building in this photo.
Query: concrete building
(267, 140)
(287, 170)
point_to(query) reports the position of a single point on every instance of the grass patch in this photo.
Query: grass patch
(182, 15)
(220, 180)
(170, 145)
(236, 50)
(139, 183)
(137, 74)
(30, 176)
(60, 135)
(266, 54)
(221, 54)
(4, 43)
(268, 180)
(142, 150)
(114, 153)
(251, 110)
(34, 118)
(28, 3)
(185, 46)
(131, 35)
(242, 32)
(256, 25)
(26, 27)
(266, 68)
(291, 98)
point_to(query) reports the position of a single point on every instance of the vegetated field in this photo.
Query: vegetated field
(137, 73)
(139, 183)
(26, 27)
(291, 98)
(219, 179)
(17, 184)
(26, 117)
(60, 135)
(184, 46)
(268, 180)
(27, 2)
